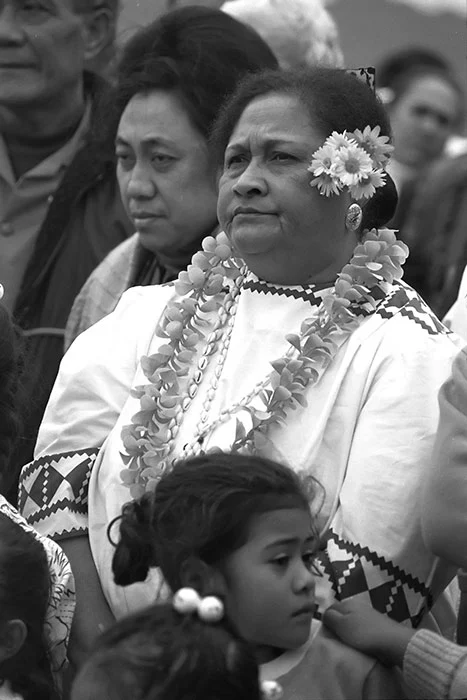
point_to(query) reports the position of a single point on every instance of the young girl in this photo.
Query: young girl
(172, 652)
(25, 671)
(240, 527)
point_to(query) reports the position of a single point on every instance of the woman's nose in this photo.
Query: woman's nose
(251, 182)
(140, 183)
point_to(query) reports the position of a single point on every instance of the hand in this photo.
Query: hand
(360, 626)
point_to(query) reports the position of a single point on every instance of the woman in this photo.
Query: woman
(363, 378)
(172, 78)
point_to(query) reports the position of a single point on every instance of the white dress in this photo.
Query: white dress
(367, 435)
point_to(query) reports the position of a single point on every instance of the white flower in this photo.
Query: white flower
(326, 184)
(368, 184)
(378, 147)
(323, 160)
(337, 140)
(352, 165)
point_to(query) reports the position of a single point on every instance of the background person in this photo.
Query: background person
(300, 32)
(60, 209)
(172, 79)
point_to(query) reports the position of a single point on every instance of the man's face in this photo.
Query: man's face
(41, 51)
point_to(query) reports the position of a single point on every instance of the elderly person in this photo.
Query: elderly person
(300, 32)
(172, 79)
(290, 335)
(60, 209)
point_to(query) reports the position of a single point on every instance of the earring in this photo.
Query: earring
(354, 217)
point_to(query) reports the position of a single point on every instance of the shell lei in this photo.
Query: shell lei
(212, 283)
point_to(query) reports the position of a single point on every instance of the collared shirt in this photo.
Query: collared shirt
(23, 207)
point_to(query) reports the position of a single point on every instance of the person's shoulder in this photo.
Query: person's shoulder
(404, 317)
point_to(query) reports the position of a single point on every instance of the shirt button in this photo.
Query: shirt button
(6, 229)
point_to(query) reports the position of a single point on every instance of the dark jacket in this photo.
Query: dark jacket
(85, 220)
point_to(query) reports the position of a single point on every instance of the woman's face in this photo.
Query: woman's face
(163, 170)
(422, 119)
(284, 229)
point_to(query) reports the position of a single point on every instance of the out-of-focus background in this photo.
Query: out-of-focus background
(369, 29)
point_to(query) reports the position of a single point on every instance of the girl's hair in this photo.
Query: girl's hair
(159, 654)
(24, 595)
(202, 511)
(197, 53)
(334, 99)
(10, 370)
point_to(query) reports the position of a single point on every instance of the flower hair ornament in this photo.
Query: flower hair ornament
(353, 161)
(210, 609)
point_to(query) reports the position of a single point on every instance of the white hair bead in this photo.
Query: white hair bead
(186, 601)
(271, 690)
(211, 609)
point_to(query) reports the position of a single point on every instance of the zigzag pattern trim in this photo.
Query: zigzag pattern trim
(311, 295)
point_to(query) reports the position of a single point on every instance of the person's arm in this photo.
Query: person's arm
(444, 509)
(93, 383)
(92, 615)
(433, 667)
(362, 627)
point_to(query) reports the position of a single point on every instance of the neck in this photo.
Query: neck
(43, 120)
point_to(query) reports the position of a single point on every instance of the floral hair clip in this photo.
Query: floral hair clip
(354, 161)
(211, 609)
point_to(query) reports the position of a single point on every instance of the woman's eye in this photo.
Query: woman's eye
(282, 156)
(162, 159)
(234, 160)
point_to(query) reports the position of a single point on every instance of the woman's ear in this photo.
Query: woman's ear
(205, 579)
(12, 638)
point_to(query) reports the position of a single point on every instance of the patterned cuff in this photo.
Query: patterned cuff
(53, 494)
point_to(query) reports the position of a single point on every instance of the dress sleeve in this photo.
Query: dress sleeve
(376, 539)
(93, 383)
(445, 498)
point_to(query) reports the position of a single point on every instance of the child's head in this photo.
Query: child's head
(24, 597)
(161, 654)
(236, 526)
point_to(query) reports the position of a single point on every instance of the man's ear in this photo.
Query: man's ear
(12, 638)
(205, 579)
(98, 32)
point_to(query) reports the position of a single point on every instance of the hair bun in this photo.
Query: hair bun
(135, 551)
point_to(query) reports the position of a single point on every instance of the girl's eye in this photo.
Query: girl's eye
(281, 561)
(309, 559)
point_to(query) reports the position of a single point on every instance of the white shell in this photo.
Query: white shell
(186, 601)
(271, 690)
(211, 609)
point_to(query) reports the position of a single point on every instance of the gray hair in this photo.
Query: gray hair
(300, 32)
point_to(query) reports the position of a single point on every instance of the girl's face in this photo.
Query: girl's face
(269, 582)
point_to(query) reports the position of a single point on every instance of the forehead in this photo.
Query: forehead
(157, 114)
(61, 6)
(276, 118)
(431, 90)
(278, 525)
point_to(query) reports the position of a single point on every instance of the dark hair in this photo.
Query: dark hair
(402, 84)
(202, 510)
(395, 65)
(335, 100)
(11, 360)
(158, 654)
(197, 53)
(24, 595)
